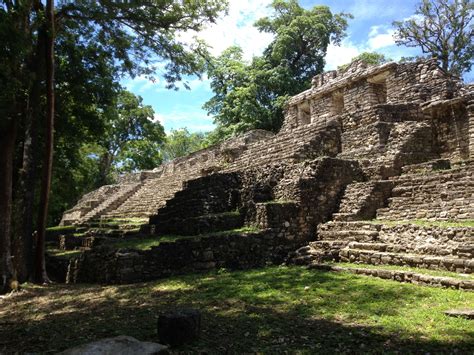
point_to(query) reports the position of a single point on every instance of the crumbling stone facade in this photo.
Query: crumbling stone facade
(391, 142)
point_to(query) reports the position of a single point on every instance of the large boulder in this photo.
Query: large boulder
(123, 345)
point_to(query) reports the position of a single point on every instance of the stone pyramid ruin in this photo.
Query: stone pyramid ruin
(363, 157)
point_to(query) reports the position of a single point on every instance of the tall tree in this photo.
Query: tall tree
(131, 37)
(253, 95)
(14, 82)
(40, 262)
(443, 29)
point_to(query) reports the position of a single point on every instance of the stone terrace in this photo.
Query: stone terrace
(360, 151)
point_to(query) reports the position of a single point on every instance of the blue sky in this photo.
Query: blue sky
(369, 30)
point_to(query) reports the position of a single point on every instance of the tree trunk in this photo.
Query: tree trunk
(7, 148)
(40, 267)
(22, 241)
(105, 165)
(22, 247)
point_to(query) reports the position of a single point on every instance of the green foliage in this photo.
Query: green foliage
(133, 137)
(140, 36)
(97, 43)
(253, 95)
(14, 48)
(180, 142)
(370, 58)
(443, 29)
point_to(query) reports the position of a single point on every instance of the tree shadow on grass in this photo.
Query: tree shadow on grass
(262, 310)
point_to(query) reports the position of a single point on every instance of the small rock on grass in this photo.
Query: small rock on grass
(461, 313)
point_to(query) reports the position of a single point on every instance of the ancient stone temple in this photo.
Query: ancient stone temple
(361, 150)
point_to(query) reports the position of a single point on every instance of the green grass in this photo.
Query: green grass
(65, 254)
(407, 268)
(145, 243)
(271, 310)
(148, 242)
(426, 223)
(242, 230)
(61, 229)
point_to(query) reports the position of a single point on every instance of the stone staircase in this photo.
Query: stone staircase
(111, 203)
(436, 248)
(446, 195)
(87, 203)
(392, 239)
(305, 142)
(152, 195)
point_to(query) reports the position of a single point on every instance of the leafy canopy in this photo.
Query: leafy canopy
(181, 142)
(143, 36)
(443, 29)
(370, 58)
(252, 95)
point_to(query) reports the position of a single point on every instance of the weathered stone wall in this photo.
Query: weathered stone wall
(470, 115)
(383, 148)
(383, 116)
(431, 240)
(208, 197)
(446, 195)
(317, 187)
(362, 86)
(450, 121)
(306, 142)
(420, 82)
(362, 199)
(430, 247)
(235, 251)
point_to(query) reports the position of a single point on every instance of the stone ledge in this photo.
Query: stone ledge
(402, 276)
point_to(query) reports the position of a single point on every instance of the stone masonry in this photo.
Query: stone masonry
(388, 143)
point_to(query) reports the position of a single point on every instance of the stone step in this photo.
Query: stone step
(198, 225)
(347, 232)
(368, 246)
(356, 235)
(461, 265)
(402, 276)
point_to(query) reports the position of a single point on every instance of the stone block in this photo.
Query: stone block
(179, 327)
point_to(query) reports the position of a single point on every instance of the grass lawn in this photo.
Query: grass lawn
(270, 310)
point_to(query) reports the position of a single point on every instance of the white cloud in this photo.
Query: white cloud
(378, 39)
(338, 55)
(159, 117)
(193, 119)
(237, 28)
